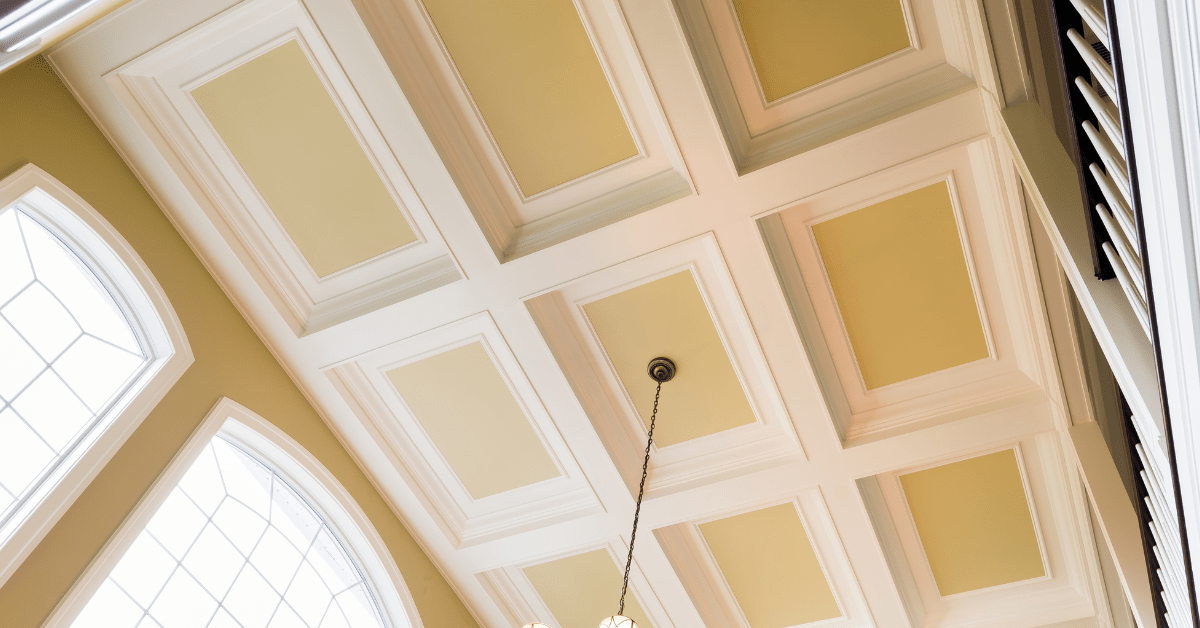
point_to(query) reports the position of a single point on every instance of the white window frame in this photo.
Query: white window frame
(155, 325)
(295, 464)
(1160, 48)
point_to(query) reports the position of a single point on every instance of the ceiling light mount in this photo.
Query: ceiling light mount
(661, 370)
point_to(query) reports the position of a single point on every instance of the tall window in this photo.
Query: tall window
(66, 352)
(235, 545)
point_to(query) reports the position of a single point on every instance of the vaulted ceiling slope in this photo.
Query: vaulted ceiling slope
(465, 227)
(219, 355)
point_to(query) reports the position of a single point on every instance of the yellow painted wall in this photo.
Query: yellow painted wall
(41, 123)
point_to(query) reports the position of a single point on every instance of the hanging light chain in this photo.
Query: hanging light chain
(641, 490)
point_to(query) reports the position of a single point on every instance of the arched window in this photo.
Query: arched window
(68, 351)
(242, 534)
(87, 343)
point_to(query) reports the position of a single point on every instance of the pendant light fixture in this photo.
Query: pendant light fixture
(660, 370)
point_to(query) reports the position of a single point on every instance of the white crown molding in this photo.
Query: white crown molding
(281, 452)
(464, 519)
(937, 65)
(519, 600)
(156, 325)
(514, 224)
(771, 440)
(689, 553)
(1009, 304)
(1060, 520)
(155, 88)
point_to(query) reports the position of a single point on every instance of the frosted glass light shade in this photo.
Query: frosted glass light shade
(618, 621)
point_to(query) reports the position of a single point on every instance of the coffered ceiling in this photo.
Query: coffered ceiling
(796, 45)
(769, 563)
(464, 228)
(276, 119)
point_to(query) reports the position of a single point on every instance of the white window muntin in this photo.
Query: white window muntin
(154, 323)
(25, 217)
(308, 477)
(236, 543)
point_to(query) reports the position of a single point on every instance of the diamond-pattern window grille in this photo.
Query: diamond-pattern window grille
(66, 353)
(234, 545)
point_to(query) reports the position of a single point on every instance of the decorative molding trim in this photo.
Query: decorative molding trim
(291, 460)
(1063, 593)
(516, 225)
(155, 88)
(1044, 164)
(519, 601)
(464, 519)
(156, 326)
(1009, 306)
(693, 561)
(938, 65)
(770, 441)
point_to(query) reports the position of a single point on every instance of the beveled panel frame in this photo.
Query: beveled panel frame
(465, 520)
(1001, 270)
(771, 440)
(1059, 521)
(156, 89)
(937, 64)
(697, 568)
(513, 223)
(520, 602)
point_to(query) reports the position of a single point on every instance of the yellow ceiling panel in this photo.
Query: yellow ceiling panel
(473, 419)
(769, 563)
(668, 317)
(900, 279)
(974, 522)
(287, 134)
(581, 590)
(533, 74)
(798, 43)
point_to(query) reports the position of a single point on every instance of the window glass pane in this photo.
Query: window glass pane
(13, 258)
(66, 351)
(20, 364)
(84, 297)
(23, 454)
(42, 321)
(208, 559)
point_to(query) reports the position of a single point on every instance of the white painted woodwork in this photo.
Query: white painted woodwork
(1000, 275)
(1059, 516)
(521, 291)
(156, 89)
(1117, 516)
(513, 223)
(937, 65)
(464, 519)
(1045, 168)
